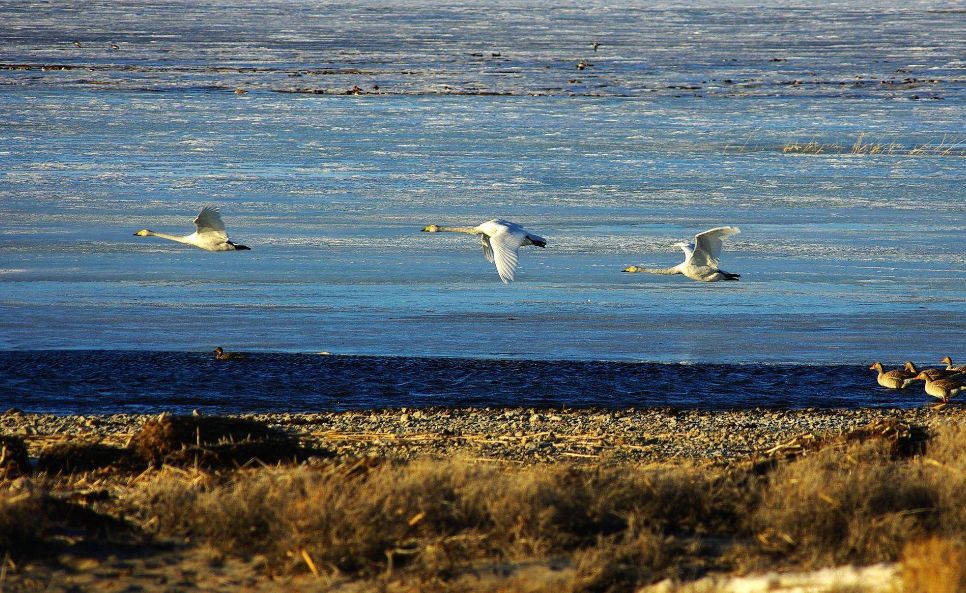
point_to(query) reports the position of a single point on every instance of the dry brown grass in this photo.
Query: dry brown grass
(881, 493)
(854, 505)
(14, 460)
(860, 498)
(71, 457)
(810, 147)
(31, 517)
(22, 518)
(181, 441)
(168, 435)
(439, 519)
(216, 442)
(945, 147)
(934, 565)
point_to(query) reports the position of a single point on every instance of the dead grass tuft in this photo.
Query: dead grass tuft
(439, 519)
(895, 438)
(231, 455)
(167, 434)
(216, 442)
(944, 468)
(944, 147)
(22, 517)
(30, 514)
(845, 505)
(810, 147)
(82, 457)
(620, 563)
(934, 565)
(14, 460)
(900, 438)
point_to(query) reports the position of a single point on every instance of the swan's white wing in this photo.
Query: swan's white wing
(505, 246)
(688, 249)
(209, 221)
(707, 245)
(487, 249)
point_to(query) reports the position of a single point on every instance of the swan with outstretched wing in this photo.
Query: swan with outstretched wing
(700, 258)
(501, 240)
(209, 234)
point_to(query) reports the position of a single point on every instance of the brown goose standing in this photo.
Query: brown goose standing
(933, 374)
(897, 379)
(942, 388)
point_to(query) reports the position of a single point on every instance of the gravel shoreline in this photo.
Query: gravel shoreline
(519, 435)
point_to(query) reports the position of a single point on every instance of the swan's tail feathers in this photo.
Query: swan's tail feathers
(239, 247)
(538, 241)
(730, 276)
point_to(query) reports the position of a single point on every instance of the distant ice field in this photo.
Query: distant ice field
(686, 119)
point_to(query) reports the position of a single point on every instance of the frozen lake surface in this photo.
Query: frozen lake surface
(681, 120)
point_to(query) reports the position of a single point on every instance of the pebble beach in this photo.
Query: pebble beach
(520, 435)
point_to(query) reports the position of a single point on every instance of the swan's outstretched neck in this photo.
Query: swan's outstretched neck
(435, 228)
(640, 270)
(148, 233)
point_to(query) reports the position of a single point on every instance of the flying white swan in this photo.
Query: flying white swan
(209, 235)
(501, 240)
(700, 258)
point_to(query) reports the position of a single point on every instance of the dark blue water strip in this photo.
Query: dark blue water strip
(104, 382)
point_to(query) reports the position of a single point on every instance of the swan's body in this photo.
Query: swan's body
(209, 233)
(700, 258)
(220, 354)
(501, 240)
(942, 388)
(897, 379)
(950, 367)
(933, 374)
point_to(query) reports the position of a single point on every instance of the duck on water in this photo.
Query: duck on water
(220, 354)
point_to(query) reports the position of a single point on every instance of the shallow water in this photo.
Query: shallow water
(678, 125)
(91, 382)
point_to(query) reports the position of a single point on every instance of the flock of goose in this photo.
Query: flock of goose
(501, 240)
(941, 383)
